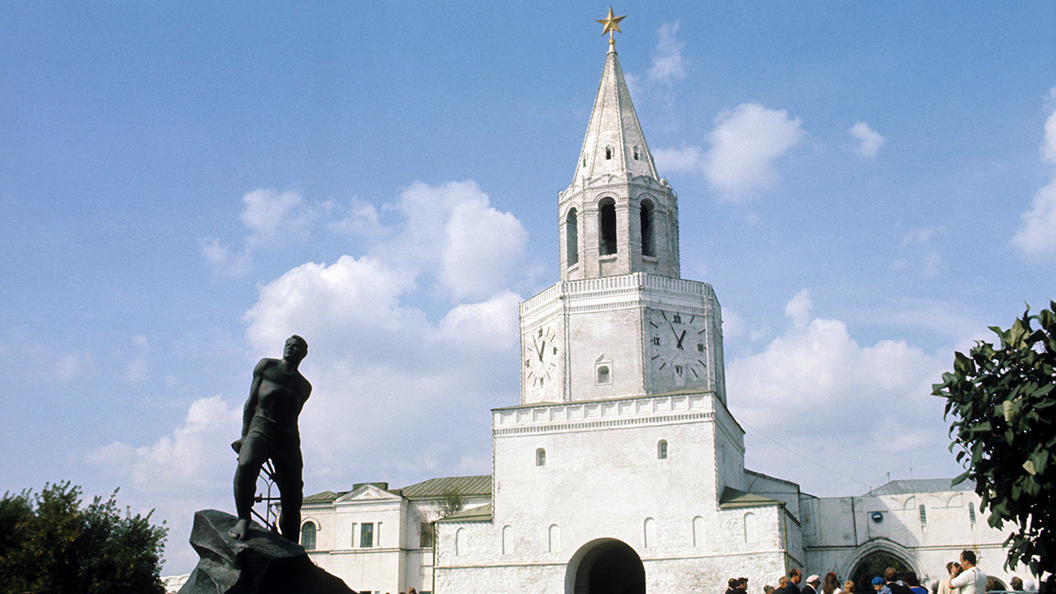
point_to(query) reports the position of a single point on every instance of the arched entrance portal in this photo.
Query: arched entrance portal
(871, 559)
(874, 566)
(605, 566)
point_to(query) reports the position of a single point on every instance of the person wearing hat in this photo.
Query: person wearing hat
(880, 586)
(812, 584)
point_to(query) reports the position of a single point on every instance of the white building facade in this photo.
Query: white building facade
(622, 470)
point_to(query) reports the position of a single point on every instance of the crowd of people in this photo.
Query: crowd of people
(963, 577)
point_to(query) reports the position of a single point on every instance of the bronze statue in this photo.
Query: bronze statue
(269, 430)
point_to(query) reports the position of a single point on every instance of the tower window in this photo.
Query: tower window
(971, 513)
(572, 237)
(308, 536)
(661, 450)
(604, 377)
(540, 457)
(608, 152)
(923, 515)
(635, 153)
(607, 237)
(648, 242)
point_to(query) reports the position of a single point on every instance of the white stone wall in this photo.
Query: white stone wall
(396, 561)
(844, 535)
(604, 478)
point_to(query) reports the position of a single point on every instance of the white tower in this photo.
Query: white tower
(620, 469)
(621, 322)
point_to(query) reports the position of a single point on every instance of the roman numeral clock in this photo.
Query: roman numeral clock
(678, 348)
(540, 360)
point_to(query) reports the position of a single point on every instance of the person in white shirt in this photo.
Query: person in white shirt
(970, 579)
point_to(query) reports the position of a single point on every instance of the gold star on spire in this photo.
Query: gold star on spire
(612, 23)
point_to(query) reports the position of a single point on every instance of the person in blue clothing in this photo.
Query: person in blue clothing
(880, 586)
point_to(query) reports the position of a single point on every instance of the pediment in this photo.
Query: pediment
(367, 493)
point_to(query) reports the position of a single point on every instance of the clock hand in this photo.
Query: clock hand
(679, 345)
(541, 351)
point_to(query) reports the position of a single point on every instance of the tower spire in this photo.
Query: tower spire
(614, 143)
(617, 217)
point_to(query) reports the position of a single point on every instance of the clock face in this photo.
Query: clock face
(678, 346)
(540, 357)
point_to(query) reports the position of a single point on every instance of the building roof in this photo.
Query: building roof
(614, 126)
(466, 486)
(905, 487)
(324, 497)
(476, 514)
(736, 498)
(436, 487)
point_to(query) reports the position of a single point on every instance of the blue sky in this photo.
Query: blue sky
(867, 186)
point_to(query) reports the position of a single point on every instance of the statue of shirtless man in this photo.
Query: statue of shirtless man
(269, 430)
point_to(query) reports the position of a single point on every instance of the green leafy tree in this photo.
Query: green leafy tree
(49, 543)
(1002, 400)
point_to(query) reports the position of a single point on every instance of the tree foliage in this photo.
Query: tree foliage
(49, 543)
(1003, 402)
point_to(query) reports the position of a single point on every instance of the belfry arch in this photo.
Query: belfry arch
(605, 566)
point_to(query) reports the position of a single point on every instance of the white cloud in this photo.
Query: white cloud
(451, 230)
(869, 141)
(222, 260)
(361, 218)
(273, 217)
(686, 159)
(137, 370)
(377, 364)
(668, 64)
(178, 474)
(733, 324)
(744, 146)
(386, 375)
(798, 310)
(1036, 237)
(480, 245)
(73, 365)
(668, 67)
(377, 361)
(920, 255)
(817, 392)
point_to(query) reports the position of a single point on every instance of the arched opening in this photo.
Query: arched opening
(608, 152)
(308, 536)
(607, 227)
(603, 375)
(873, 566)
(461, 542)
(661, 450)
(648, 241)
(698, 531)
(605, 566)
(572, 237)
(995, 584)
(540, 457)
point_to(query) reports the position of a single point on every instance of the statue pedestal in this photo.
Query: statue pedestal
(264, 563)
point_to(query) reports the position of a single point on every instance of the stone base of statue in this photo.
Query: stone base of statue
(264, 563)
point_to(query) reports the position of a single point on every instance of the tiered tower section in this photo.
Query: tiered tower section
(621, 322)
